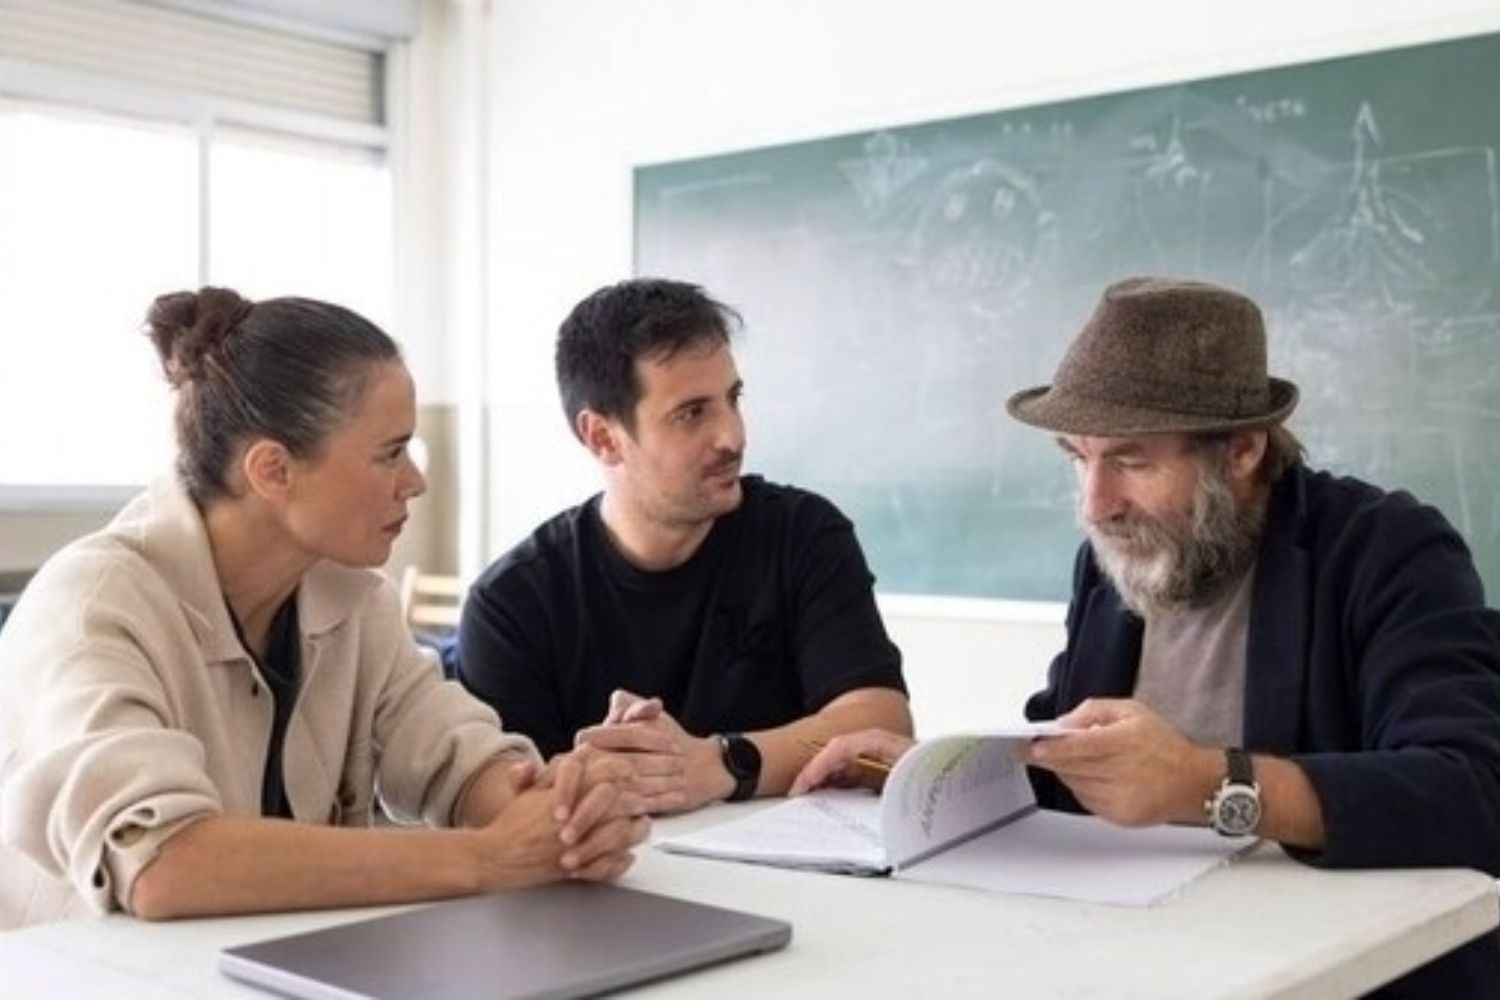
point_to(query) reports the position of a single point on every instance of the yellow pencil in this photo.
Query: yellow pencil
(873, 763)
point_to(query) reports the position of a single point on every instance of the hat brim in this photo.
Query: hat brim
(1052, 409)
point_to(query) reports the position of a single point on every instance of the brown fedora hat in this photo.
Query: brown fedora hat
(1162, 355)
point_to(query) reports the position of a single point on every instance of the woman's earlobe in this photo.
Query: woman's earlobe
(267, 467)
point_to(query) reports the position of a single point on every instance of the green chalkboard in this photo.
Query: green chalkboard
(898, 285)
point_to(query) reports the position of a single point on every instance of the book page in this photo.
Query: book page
(950, 787)
(834, 830)
(940, 791)
(1082, 858)
(1023, 730)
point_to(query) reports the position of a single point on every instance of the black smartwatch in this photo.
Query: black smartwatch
(742, 761)
(1234, 810)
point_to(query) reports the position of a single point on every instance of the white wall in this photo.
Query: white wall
(584, 90)
(970, 664)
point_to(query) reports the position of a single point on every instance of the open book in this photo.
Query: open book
(959, 810)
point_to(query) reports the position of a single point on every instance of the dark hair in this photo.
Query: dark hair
(288, 369)
(1283, 450)
(600, 341)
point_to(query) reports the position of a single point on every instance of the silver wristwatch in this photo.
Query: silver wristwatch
(1234, 809)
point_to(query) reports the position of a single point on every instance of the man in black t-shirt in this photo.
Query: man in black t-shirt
(711, 626)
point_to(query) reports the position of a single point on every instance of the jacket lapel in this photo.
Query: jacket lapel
(1112, 638)
(171, 535)
(1276, 652)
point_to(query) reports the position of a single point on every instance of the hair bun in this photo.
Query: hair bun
(187, 327)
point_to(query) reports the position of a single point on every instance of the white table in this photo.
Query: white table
(1263, 926)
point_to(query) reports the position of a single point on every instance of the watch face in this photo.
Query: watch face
(1237, 811)
(741, 757)
(742, 761)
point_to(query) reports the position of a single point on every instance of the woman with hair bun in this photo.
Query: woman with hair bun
(199, 702)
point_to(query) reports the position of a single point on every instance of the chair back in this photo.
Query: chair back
(431, 601)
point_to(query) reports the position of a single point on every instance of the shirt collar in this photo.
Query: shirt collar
(167, 527)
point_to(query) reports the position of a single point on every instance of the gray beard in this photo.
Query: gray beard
(1162, 568)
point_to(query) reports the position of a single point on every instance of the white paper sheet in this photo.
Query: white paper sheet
(1081, 858)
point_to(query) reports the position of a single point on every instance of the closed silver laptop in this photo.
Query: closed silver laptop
(565, 940)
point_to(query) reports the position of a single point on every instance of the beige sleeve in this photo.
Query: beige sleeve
(92, 779)
(431, 734)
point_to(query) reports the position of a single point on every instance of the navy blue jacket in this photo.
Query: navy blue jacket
(1372, 661)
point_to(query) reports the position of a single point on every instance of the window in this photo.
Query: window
(296, 218)
(95, 216)
(119, 182)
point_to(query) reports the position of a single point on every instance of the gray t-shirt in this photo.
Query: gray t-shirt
(1193, 667)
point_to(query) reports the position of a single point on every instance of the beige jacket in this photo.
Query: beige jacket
(128, 708)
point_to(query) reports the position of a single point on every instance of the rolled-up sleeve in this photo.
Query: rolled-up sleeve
(93, 780)
(432, 735)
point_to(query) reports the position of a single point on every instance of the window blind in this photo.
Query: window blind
(188, 51)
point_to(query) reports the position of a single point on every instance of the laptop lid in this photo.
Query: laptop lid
(569, 939)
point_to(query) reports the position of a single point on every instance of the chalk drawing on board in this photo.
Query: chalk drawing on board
(1379, 252)
(1380, 236)
(977, 238)
(1167, 162)
(1169, 189)
(1151, 188)
(1398, 221)
(887, 166)
(900, 283)
(1421, 408)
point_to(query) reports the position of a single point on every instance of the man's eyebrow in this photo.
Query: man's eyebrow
(683, 404)
(1122, 448)
(702, 399)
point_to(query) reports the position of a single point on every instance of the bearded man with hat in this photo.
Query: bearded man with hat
(1252, 644)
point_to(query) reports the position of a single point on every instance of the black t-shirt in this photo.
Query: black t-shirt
(772, 618)
(282, 672)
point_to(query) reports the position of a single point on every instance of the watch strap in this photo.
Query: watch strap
(1239, 768)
